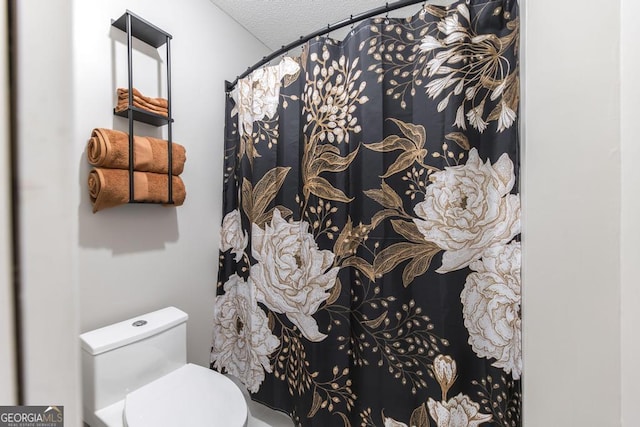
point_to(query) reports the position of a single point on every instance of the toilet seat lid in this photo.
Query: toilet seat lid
(189, 396)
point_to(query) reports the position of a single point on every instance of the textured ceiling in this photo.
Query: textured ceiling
(279, 22)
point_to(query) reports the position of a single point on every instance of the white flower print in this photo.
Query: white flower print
(242, 341)
(430, 43)
(507, 117)
(390, 422)
(232, 236)
(504, 260)
(257, 95)
(468, 209)
(491, 307)
(292, 275)
(459, 122)
(445, 371)
(450, 25)
(333, 93)
(459, 411)
(459, 58)
(474, 116)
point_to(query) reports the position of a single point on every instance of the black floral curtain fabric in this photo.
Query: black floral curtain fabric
(369, 272)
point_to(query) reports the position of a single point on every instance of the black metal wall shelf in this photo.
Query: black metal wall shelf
(142, 29)
(138, 28)
(143, 116)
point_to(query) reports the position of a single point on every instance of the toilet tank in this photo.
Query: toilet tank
(123, 357)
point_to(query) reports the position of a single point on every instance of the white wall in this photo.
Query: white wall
(630, 213)
(571, 236)
(80, 270)
(47, 221)
(47, 213)
(7, 347)
(138, 258)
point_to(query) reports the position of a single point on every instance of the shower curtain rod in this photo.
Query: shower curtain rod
(303, 39)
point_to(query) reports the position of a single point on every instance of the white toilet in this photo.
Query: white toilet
(134, 374)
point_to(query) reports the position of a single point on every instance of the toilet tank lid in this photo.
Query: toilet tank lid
(131, 330)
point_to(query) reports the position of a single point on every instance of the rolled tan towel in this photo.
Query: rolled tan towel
(123, 104)
(110, 149)
(158, 102)
(110, 187)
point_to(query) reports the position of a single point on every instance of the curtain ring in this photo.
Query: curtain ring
(352, 25)
(386, 16)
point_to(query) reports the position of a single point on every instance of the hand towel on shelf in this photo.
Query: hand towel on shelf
(110, 187)
(123, 104)
(157, 102)
(154, 105)
(110, 149)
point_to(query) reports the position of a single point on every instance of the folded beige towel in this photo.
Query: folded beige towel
(158, 102)
(110, 149)
(110, 187)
